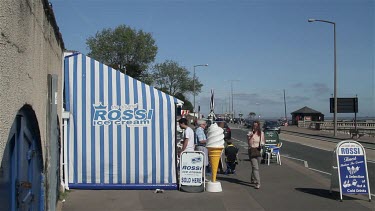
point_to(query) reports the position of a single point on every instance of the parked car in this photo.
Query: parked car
(282, 122)
(227, 130)
(271, 125)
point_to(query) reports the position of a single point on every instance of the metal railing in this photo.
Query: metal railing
(363, 128)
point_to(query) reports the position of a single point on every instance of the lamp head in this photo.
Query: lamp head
(311, 20)
(200, 65)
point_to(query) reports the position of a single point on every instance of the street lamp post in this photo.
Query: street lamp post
(194, 83)
(286, 118)
(334, 75)
(258, 110)
(231, 85)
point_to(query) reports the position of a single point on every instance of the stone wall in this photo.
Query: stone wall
(31, 47)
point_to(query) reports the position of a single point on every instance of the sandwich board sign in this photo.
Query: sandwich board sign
(351, 165)
(192, 171)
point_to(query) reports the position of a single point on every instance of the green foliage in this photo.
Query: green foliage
(187, 104)
(252, 115)
(147, 78)
(123, 48)
(173, 79)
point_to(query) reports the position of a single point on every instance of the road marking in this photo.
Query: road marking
(241, 143)
(306, 164)
(237, 139)
(245, 145)
(293, 158)
(320, 171)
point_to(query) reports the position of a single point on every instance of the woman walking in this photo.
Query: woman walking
(255, 139)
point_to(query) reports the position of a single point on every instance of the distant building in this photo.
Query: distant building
(307, 114)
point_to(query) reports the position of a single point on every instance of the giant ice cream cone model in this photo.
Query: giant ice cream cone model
(214, 154)
(215, 144)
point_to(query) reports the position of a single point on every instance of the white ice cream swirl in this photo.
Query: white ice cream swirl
(215, 136)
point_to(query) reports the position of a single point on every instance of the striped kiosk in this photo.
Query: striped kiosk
(120, 132)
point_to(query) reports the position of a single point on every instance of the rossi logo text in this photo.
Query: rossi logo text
(350, 151)
(128, 115)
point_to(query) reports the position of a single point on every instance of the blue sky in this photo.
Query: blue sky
(257, 47)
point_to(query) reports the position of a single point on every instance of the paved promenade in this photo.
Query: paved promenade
(290, 186)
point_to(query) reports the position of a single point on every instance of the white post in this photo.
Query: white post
(64, 162)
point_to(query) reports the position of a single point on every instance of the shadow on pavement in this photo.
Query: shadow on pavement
(325, 193)
(234, 180)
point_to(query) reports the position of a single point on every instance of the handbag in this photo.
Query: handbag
(254, 152)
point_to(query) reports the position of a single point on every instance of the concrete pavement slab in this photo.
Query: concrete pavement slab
(290, 186)
(287, 187)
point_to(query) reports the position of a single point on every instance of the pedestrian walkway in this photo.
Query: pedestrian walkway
(290, 186)
(322, 133)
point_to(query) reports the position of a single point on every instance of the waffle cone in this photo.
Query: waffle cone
(214, 153)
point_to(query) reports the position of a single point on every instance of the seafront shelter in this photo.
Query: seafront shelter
(306, 114)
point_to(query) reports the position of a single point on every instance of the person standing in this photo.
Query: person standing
(255, 139)
(221, 124)
(231, 152)
(201, 140)
(188, 142)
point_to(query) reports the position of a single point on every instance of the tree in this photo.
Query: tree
(252, 115)
(187, 104)
(123, 48)
(173, 79)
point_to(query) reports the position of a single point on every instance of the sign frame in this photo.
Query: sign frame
(192, 169)
(351, 164)
(344, 105)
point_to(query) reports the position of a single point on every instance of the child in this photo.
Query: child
(231, 154)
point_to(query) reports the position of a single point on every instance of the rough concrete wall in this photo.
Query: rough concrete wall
(30, 49)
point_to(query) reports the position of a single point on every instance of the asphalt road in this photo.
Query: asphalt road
(316, 159)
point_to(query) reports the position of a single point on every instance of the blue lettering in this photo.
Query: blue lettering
(191, 168)
(350, 151)
(196, 180)
(145, 122)
(140, 114)
(128, 114)
(100, 114)
(121, 115)
(150, 113)
(114, 114)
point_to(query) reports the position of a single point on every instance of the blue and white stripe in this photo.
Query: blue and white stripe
(117, 156)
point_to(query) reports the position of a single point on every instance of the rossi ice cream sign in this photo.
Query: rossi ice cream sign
(129, 115)
(191, 168)
(352, 169)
